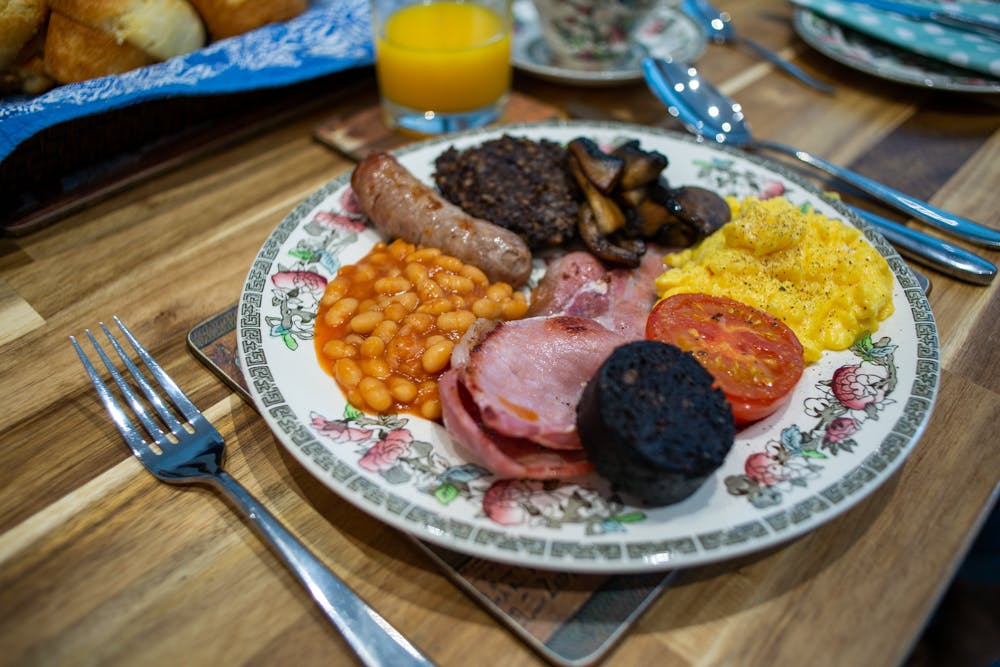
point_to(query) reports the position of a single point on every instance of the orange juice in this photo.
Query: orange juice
(445, 57)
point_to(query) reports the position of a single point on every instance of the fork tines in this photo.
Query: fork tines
(132, 435)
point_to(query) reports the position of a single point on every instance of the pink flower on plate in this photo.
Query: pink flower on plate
(840, 429)
(338, 431)
(772, 189)
(504, 502)
(384, 454)
(339, 221)
(287, 280)
(856, 390)
(763, 469)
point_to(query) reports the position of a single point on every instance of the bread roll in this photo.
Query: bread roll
(225, 18)
(77, 52)
(20, 20)
(160, 28)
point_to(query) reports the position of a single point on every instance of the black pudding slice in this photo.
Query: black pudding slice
(652, 424)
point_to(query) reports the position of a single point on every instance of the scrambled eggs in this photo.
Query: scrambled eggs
(816, 274)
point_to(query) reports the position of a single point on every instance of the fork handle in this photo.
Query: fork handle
(372, 638)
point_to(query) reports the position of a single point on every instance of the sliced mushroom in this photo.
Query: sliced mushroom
(649, 216)
(635, 246)
(602, 170)
(601, 247)
(701, 207)
(632, 197)
(608, 215)
(677, 234)
(641, 167)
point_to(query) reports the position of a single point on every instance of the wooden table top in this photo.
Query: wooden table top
(102, 564)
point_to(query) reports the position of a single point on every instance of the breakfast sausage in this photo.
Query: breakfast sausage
(401, 206)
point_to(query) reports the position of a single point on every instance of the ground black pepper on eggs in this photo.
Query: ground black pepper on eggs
(521, 184)
(652, 423)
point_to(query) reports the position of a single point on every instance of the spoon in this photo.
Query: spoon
(708, 113)
(720, 29)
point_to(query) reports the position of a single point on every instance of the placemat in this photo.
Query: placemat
(572, 620)
(359, 131)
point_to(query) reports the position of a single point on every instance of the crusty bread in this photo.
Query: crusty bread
(27, 73)
(20, 20)
(77, 52)
(225, 18)
(33, 78)
(160, 28)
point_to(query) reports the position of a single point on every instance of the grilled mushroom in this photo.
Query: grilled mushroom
(641, 167)
(608, 216)
(702, 208)
(601, 246)
(603, 171)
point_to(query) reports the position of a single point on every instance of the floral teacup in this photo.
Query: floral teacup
(591, 34)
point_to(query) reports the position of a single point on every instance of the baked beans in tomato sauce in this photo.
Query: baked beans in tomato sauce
(388, 323)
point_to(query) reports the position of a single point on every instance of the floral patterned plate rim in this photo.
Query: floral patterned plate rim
(853, 419)
(667, 32)
(873, 56)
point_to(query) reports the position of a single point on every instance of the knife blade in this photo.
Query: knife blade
(952, 19)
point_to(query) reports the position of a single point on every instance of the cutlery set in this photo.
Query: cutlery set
(707, 113)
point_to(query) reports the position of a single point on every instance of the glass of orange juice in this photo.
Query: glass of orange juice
(442, 65)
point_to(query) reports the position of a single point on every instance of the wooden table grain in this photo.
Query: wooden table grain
(100, 564)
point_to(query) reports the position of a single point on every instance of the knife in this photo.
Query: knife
(950, 259)
(988, 29)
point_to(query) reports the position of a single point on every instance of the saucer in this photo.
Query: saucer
(666, 32)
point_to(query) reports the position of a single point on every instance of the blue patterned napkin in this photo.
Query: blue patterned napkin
(951, 45)
(332, 35)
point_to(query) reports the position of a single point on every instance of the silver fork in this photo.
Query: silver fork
(191, 452)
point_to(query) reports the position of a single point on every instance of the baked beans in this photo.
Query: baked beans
(387, 324)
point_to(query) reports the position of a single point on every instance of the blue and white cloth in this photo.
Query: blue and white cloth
(955, 46)
(332, 35)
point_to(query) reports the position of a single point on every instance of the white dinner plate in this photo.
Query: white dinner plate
(873, 56)
(832, 445)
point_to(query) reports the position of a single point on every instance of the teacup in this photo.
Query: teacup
(591, 34)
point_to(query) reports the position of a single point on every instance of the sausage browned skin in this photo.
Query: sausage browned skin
(401, 206)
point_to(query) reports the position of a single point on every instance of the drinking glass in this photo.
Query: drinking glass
(442, 65)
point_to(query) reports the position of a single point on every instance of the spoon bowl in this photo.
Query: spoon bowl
(705, 111)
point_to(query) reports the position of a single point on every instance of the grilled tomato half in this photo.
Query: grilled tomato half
(753, 356)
